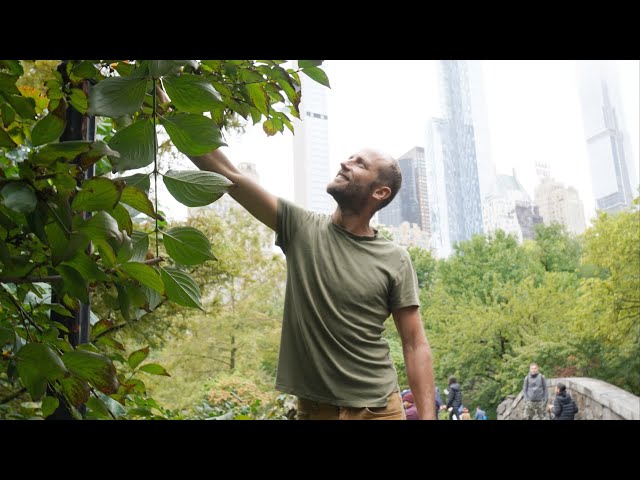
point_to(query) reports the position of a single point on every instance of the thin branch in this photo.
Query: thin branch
(204, 356)
(46, 279)
(155, 162)
(53, 278)
(112, 329)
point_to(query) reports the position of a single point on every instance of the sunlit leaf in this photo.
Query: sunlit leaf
(192, 93)
(154, 369)
(318, 75)
(187, 245)
(95, 368)
(180, 287)
(137, 357)
(195, 188)
(145, 274)
(19, 196)
(135, 144)
(193, 134)
(98, 194)
(117, 96)
(38, 363)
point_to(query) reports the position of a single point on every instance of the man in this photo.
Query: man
(480, 414)
(343, 280)
(534, 392)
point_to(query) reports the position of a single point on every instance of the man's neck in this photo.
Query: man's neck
(356, 223)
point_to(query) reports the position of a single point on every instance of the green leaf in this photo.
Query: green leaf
(153, 299)
(154, 369)
(137, 357)
(98, 194)
(139, 412)
(158, 68)
(8, 84)
(49, 405)
(145, 274)
(135, 145)
(84, 69)
(38, 363)
(98, 150)
(269, 128)
(258, 97)
(138, 199)
(123, 218)
(86, 267)
(5, 139)
(117, 96)
(19, 197)
(309, 63)
(180, 287)
(107, 255)
(47, 129)
(192, 93)
(78, 100)
(141, 181)
(95, 368)
(140, 244)
(195, 188)
(188, 246)
(24, 106)
(318, 75)
(125, 249)
(63, 150)
(61, 310)
(75, 389)
(98, 408)
(101, 226)
(13, 66)
(192, 134)
(72, 283)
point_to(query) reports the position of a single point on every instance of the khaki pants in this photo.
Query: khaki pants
(310, 410)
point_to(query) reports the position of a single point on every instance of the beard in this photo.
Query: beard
(350, 197)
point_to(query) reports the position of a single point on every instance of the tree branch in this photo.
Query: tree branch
(53, 278)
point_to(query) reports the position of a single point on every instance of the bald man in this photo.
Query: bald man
(343, 282)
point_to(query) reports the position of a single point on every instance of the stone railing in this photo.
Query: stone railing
(596, 400)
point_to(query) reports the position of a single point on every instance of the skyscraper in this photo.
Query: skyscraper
(311, 149)
(412, 202)
(613, 175)
(451, 157)
(560, 205)
(510, 209)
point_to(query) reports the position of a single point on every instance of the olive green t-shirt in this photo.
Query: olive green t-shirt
(340, 290)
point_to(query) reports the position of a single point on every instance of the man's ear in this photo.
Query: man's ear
(381, 193)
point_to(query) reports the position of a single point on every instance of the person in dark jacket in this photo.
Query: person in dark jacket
(564, 407)
(454, 400)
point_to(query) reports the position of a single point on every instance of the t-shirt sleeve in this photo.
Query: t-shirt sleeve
(404, 289)
(290, 217)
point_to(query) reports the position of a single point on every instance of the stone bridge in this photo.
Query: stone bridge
(597, 400)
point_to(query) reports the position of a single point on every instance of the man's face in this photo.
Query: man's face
(354, 183)
(533, 369)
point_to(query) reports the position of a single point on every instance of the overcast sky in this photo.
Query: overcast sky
(532, 105)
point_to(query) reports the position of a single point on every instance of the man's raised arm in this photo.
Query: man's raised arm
(258, 202)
